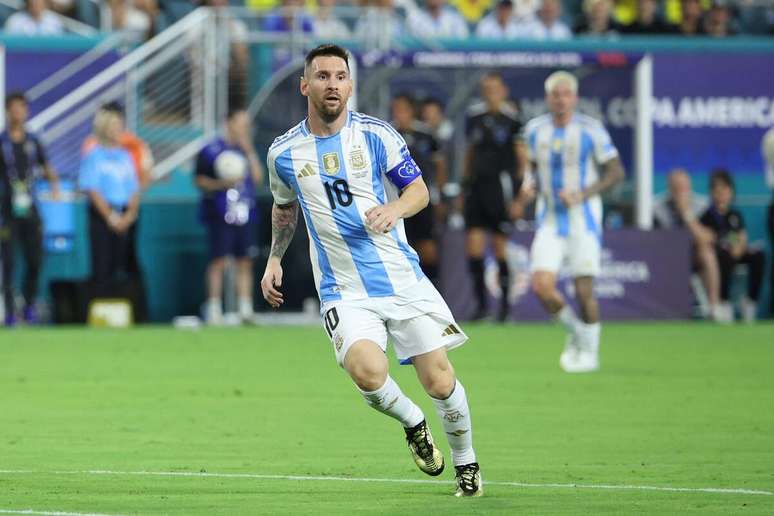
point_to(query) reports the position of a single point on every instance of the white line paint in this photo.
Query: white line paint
(51, 513)
(308, 478)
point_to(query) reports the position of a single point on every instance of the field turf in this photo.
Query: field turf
(249, 421)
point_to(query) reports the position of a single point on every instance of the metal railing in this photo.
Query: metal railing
(172, 88)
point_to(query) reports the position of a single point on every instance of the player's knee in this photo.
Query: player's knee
(541, 286)
(439, 384)
(368, 376)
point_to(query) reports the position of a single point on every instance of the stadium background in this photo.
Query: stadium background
(259, 420)
(703, 117)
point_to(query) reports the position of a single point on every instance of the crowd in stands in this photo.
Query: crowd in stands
(490, 19)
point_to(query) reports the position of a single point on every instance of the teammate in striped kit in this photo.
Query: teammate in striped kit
(574, 161)
(354, 180)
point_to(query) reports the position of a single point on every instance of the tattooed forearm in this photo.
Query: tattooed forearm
(283, 224)
(612, 174)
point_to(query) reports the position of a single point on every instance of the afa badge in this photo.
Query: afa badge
(357, 159)
(331, 163)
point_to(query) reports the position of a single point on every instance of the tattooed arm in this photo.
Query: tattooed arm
(284, 219)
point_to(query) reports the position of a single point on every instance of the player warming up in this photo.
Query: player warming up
(573, 161)
(354, 180)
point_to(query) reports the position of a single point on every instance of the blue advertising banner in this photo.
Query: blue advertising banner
(711, 110)
(20, 76)
(606, 82)
(645, 275)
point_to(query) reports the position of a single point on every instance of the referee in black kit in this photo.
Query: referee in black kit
(490, 181)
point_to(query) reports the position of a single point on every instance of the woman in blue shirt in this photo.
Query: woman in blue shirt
(109, 179)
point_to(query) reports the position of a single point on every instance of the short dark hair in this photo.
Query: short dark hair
(722, 176)
(234, 111)
(492, 74)
(327, 49)
(433, 101)
(15, 96)
(408, 99)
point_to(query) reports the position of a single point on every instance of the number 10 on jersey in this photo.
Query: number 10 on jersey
(338, 193)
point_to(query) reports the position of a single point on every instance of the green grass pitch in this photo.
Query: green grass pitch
(675, 406)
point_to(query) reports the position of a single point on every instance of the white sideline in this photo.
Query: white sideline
(672, 489)
(52, 513)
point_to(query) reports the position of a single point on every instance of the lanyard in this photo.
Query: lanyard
(10, 157)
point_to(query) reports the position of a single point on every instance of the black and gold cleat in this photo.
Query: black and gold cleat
(469, 480)
(426, 455)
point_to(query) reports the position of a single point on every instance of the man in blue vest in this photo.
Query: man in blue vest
(22, 162)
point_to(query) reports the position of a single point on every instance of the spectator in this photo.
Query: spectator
(239, 58)
(380, 23)
(767, 145)
(525, 9)
(227, 171)
(136, 147)
(426, 151)
(326, 25)
(22, 160)
(717, 21)
(471, 10)
(690, 23)
(437, 20)
(648, 20)
(680, 210)
(134, 17)
(433, 117)
(731, 246)
(34, 20)
(108, 177)
(63, 7)
(597, 19)
(490, 178)
(500, 23)
(290, 16)
(547, 25)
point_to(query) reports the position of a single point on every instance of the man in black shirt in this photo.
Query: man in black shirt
(22, 162)
(727, 225)
(648, 21)
(490, 180)
(426, 151)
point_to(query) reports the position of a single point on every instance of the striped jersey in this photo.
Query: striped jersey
(336, 179)
(568, 158)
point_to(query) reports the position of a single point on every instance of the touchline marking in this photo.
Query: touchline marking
(623, 487)
(51, 513)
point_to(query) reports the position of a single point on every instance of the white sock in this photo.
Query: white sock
(214, 310)
(590, 335)
(455, 416)
(567, 317)
(390, 400)
(246, 306)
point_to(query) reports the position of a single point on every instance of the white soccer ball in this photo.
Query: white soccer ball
(230, 166)
(767, 146)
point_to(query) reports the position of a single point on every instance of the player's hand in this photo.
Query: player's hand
(516, 210)
(271, 282)
(382, 219)
(570, 199)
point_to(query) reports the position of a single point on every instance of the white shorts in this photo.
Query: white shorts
(416, 320)
(581, 251)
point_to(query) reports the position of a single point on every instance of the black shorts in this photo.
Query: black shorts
(485, 208)
(421, 226)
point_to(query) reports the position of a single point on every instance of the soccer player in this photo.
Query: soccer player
(228, 210)
(490, 178)
(354, 180)
(427, 153)
(574, 161)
